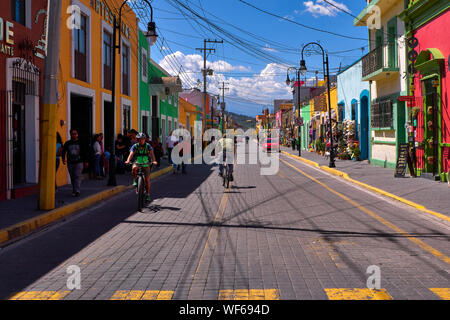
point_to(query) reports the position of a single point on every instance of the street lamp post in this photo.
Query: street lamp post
(150, 34)
(326, 73)
(288, 82)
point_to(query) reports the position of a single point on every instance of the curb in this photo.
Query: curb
(25, 227)
(369, 187)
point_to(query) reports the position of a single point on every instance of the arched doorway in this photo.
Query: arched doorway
(364, 126)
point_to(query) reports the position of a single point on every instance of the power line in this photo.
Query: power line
(302, 25)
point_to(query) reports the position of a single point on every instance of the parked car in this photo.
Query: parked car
(271, 144)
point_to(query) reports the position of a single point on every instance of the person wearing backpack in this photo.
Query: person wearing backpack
(76, 157)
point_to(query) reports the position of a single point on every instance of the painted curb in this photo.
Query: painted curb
(23, 228)
(372, 188)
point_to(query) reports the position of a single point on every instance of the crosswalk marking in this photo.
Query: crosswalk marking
(443, 293)
(142, 295)
(249, 294)
(39, 295)
(357, 294)
(236, 294)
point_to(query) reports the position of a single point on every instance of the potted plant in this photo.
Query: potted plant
(415, 111)
(430, 125)
(430, 110)
(430, 160)
(430, 143)
(356, 154)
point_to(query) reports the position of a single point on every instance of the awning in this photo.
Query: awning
(164, 86)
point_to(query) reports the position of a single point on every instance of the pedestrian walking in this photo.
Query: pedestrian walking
(158, 150)
(170, 143)
(59, 146)
(76, 157)
(182, 165)
(97, 157)
(121, 150)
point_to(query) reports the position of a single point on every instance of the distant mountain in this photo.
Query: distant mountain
(241, 120)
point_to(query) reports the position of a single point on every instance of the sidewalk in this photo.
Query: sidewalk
(19, 210)
(432, 195)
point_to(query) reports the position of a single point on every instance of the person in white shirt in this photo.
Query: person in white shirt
(227, 144)
(97, 156)
(170, 143)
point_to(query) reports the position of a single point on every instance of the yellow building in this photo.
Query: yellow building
(188, 115)
(85, 73)
(320, 104)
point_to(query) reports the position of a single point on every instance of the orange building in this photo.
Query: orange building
(188, 115)
(85, 74)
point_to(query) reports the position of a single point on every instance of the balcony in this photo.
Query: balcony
(380, 63)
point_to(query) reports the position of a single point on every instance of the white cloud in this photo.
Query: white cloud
(268, 48)
(321, 8)
(262, 87)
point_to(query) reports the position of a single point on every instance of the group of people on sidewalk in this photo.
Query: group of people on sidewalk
(94, 157)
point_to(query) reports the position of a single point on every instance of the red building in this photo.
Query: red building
(22, 52)
(427, 23)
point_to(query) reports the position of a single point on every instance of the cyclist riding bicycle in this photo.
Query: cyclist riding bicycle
(226, 144)
(142, 150)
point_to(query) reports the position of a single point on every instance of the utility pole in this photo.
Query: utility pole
(205, 73)
(47, 168)
(223, 104)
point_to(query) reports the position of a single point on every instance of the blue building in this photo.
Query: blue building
(353, 103)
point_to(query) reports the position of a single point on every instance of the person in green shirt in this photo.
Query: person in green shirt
(142, 150)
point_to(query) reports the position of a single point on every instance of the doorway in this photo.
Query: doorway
(108, 125)
(81, 117)
(364, 134)
(18, 126)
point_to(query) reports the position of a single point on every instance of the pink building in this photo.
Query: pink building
(430, 84)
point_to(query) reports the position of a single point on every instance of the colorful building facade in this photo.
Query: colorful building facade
(427, 23)
(164, 91)
(23, 47)
(353, 100)
(383, 68)
(86, 69)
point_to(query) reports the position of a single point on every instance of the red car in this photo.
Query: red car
(271, 144)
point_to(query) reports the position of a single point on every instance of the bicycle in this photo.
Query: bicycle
(141, 187)
(226, 174)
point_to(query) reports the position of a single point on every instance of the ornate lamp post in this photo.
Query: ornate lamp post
(288, 82)
(326, 73)
(151, 35)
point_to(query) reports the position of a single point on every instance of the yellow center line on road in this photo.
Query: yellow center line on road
(390, 225)
(213, 233)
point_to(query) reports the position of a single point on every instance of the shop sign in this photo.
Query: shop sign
(102, 8)
(6, 37)
(41, 48)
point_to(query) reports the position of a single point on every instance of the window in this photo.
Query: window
(107, 60)
(125, 70)
(126, 117)
(144, 124)
(144, 65)
(18, 11)
(392, 42)
(381, 114)
(80, 49)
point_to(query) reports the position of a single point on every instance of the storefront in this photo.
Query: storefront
(22, 53)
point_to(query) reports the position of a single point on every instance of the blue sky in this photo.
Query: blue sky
(257, 47)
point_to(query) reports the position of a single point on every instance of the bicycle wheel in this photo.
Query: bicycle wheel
(140, 188)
